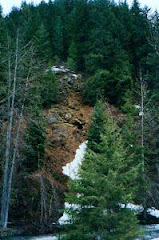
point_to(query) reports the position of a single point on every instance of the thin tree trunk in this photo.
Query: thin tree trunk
(13, 158)
(13, 163)
(43, 202)
(4, 213)
(8, 136)
(51, 200)
(142, 122)
(142, 140)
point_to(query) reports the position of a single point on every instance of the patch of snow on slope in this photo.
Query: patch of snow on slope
(65, 219)
(133, 207)
(60, 69)
(136, 208)
(153, 212)
(71, 169)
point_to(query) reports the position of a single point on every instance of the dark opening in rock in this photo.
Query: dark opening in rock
(78, 124)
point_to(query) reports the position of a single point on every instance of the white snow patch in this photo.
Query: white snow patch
(133, 207)
(65, 219)
(153, 212)
(61, 69)
(71, 169)
(74, 76)
(45, 238)
(136, 208)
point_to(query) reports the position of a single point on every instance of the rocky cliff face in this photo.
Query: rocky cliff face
(67, 128)
(67, 124)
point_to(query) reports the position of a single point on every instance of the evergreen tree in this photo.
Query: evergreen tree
(72, 56)
(80, 30)
(42, 43)
(34, 145)
(131, 139)
(96, 126)
(58, 39)
(111, 85)
(105, 183)
(139, 45)
(48, 89)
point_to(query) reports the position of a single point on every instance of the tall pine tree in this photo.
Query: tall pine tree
(105, 182)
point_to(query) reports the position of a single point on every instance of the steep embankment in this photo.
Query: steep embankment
(67, 123)
(66, 128)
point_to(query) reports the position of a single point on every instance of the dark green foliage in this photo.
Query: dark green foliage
(93, 62)
(80, 30)
(58, 38)
(139, 45)
(25, 198)
(128, 106)
(132, 142)
(72, 57)
(96, 127)
(42, 43)
(91, 36)
(34, 145)
(99, 83)
(111, 85)
(105, 181)
(48, 89)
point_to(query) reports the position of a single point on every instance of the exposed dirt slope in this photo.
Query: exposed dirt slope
(66, 130)
(67, 126)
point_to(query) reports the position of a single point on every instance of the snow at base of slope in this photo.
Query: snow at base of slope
(131, 206)
(72, 168)
(138, 208)
(65, 219)
(153, 212)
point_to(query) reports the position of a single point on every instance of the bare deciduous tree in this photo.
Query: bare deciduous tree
(15, 85)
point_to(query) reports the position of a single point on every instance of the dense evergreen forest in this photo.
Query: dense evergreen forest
(115, 48)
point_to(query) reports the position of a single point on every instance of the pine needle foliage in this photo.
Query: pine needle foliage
(102, 191)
